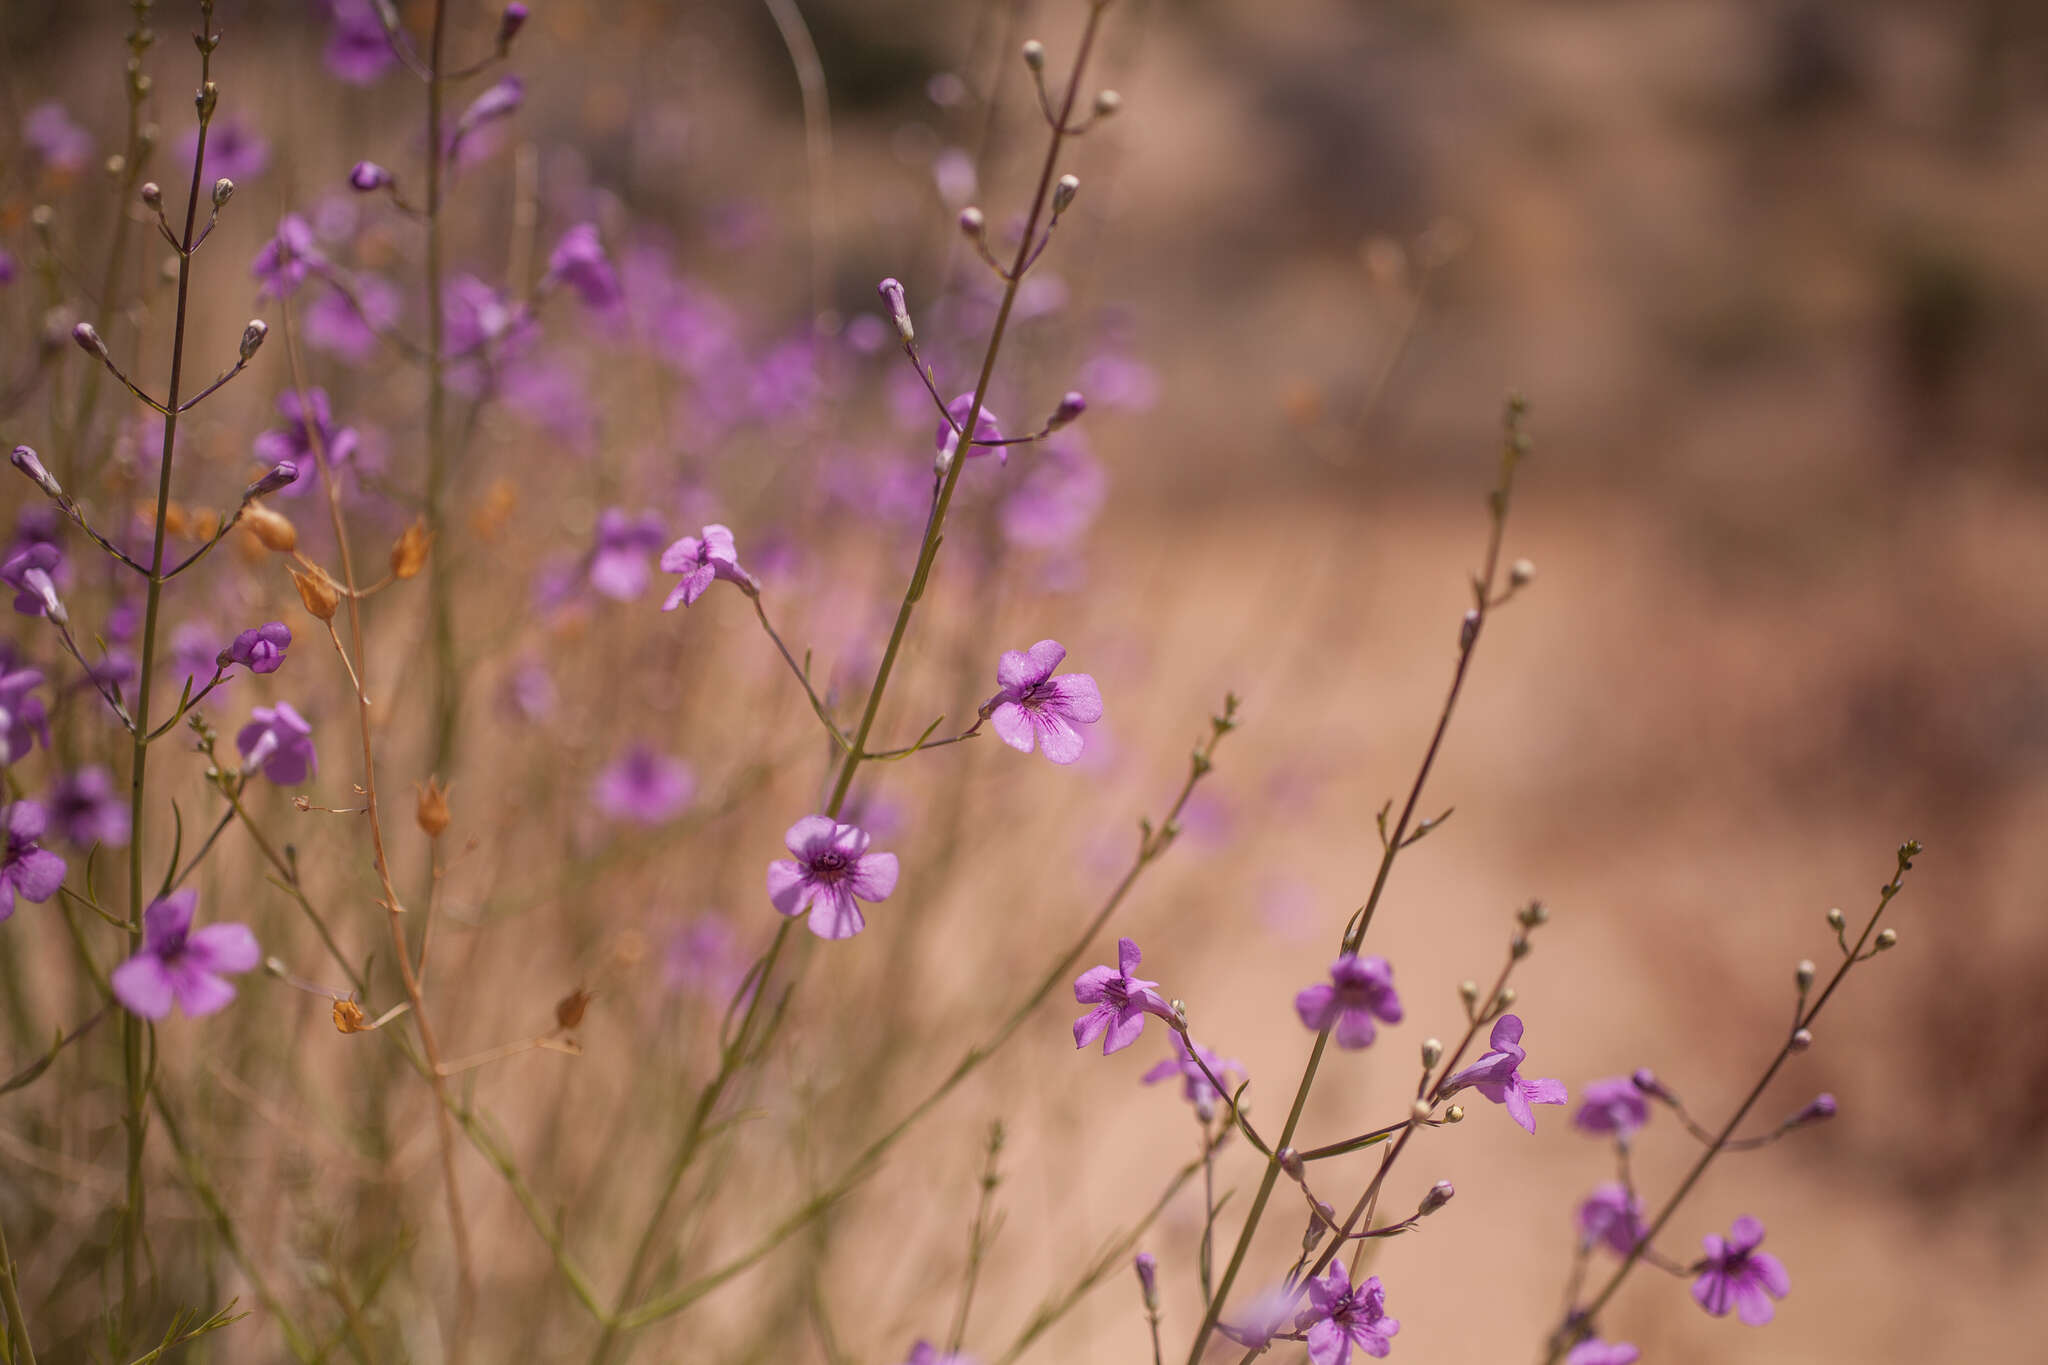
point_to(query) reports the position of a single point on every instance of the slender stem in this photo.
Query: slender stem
(440, 604)
(10, 1298)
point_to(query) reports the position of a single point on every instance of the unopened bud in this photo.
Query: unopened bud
(318, 593)
(223, 190)
(42, 218)
(368, 176)
(973, 222)
(1836, 919)
(1455, 1114)
(891, 291)
(274, 478)
(1180, 1015)
(88, 338)
(569, 1009)
(1107, 102)
(1802, 1039)
(1521, 573)
(1290, 1162)
(208, 98)
(1312, 1235)
(433, 814)
(1468, 630)
(1072, 405)
(1533, 914)
(273, 530)
(1063, 193)
(409, 554)
(1034, 55)
(1646, 1081)
(252, 338)
(28, 462)
(1504, 999)
(1819, 1108)
(1438, 1196)
(1419, 1111)
(1468, 991)
(1432, 1053)
(1803, 974)
(1886, 938)
(1148, 1279)
(152, 196)
(1518, 946)
(509, 24)
(348, 1017)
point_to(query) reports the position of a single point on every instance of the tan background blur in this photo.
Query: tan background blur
(1772, 273)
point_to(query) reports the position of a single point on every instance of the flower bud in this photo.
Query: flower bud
(1290, 1162)
(972, 222)
(1063, 193)
(509, 24)
(29, 463)
(1836, 919)
(1647, 1082)
(1468, 630)
(1518, 946)
(1521, 573)
(1148, 1279)
(208, 97)
(569, 1009)
(368, 176)
(252, 338)
(409, 555)
(1455, 1114)
(1468, 991)
(276, 477)
(1072, 405)
(1886, 938)
(1533, 914)
(1802, 1039)
(318, 594)
(1107, 102)
(891, 291)
(223, 190)
(1034, 55)
(273, 530)
(1432, 1053)
(1818, 1109)
(1803, 974)
(1438, 1196)
(1504, 999)
(1419, 1111)
(152, 196)
(88, 339)
(433, 814)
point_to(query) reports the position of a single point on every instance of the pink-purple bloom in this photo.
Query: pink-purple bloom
(86, 809)
(27, 869)
(1497, 1075)
(358, 50)
(646, 787)
(260, 649)
(701, 559)
(234, 150)
(947, 438)
(368, 176)
(182, 965)
(1195, 1086)
(1338, 1317)
(1598, 1352)
(23, 718)
(578, 261)
(1121, 1002)
(29, 571)
(1734, 1274)
(619, 565)
(1359, 990)
(286, 259)
(278, 742)
(1614, 1105)
(1034, 707)
(924, 1353)
(1612, 1216)
(292, 443)
(830, 875)
(56, 139)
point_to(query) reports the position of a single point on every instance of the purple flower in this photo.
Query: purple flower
(1035, 707)
(1497, 1075)
(831, 873)
(87, 810)
(1597, 1352)
(28, 870)
(947, 440)
(1816, 1110)
(234, 150)
(347, 325)
(645, 787)
(1195, 1087)
(1261, 1318)
(1058, 499)
(924, 1353)
(367, 176)
(499, 101)
(1339, 1317)
(1358, 989)
(700, 559)
(1612, 1215)
(292, 443)
(285, 259)
(28, 570)
(357, 52)
(260, 649)
(22, 717)
(1734, 1273)
(8, 268)
(702, 956)
(278, 741)
(618, 561)
(578, 261)
(1121, 1002)
(1614, 1105)
(181, 965)
(60, 143)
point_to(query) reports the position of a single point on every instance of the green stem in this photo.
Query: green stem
(10, 1298)
(447, 685)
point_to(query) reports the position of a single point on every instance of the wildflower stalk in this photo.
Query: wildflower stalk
(1514, 446)
(465, 1297)
(979, 1236)
(440, 605)
(1576, 1319)
(20, 1349)
(738, 1050)
(132, 1026)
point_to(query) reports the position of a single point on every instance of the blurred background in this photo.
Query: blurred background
(1771, 275)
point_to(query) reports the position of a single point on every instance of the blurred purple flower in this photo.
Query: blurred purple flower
(22, 715)
(499, 101)
(1497, 1075)
(294, 440)
(30, 570)
(28, 870)
(286, 259)
(530, 689)
(579, 261)
(1611, 1215)
(550, 392)
(953, 176)
(56, 140)
(278, 741)
(1597, 1352)
(924, 1353)
(831, 873)
(1359, 988)
(1115, 380)
(1121, 1002)
(702, 956)
(194, 654)
(645, 787)
(1260, 1318)
(347, 326)
(8, 267)
(1613, 1105)
(1034, 707)
(182, 965)
(357, 52)
(1059, 499)
(619, 561)
(946, 437)
(1195, 1087)
(700, 559)
(1735, 1274)
(1338, 1317)
(86, 809)
(234, 151)
(260, 649)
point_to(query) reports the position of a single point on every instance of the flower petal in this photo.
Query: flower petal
(835, 914)
(1093, 1022)
(1013, 726)
(1076, 696)
(225, 947)
(1057, 737)
(142, 984)
(165, 922)
(809, 836)
(1355, 1029)
(873, 878)
(37, 874)
(1316, 1006)
(1123, 1031)
(1127, 956)
(789, 890)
